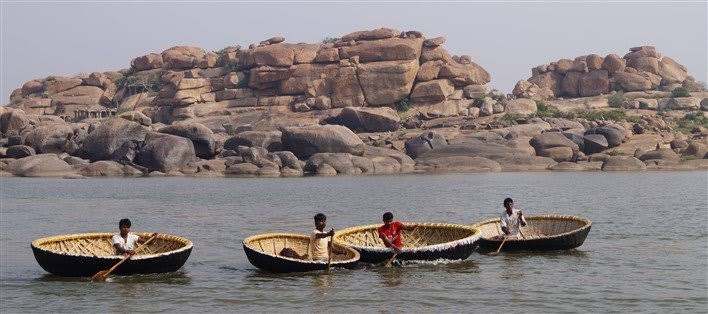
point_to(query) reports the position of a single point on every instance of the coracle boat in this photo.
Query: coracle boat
(263, 252)
(542, 233)
(85, 254)
(424, 241)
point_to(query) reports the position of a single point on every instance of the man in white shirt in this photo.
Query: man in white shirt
(124, 242)
(511, 219)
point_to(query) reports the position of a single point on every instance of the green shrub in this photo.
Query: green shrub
(617, 153)
(680, 92)
(403, 105)
(614, 115)
(510, 117)
(121, 111)
(547, 111)
(616, 99)
(478, 101)
(230, 66)
(634, 119)
(690, 122)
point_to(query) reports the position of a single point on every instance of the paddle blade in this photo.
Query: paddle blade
(100, 276)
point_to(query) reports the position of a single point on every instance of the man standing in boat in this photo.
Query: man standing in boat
(320, 240)
(124, 242)
(390, 232)
(511, 219)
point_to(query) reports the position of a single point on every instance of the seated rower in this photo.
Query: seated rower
(390, 232)
(319, 239)
(511, 219)
(124, 242)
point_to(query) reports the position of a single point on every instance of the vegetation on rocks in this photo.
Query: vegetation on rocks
(615, 100)
(690, 122)
(680, 92)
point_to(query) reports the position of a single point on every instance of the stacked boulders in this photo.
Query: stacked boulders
(642, 69)
(374, 68)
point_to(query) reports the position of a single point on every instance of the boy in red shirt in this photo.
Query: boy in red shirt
(390, 232)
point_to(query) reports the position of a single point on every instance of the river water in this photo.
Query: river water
(647, 250)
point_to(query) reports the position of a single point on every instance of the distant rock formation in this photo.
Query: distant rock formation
(381, 67)
(642, 69)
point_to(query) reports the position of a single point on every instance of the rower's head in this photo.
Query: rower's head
(508, 203)
(387, 218)
(320, 221)
(124, 226)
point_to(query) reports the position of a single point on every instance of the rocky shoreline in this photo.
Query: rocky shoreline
(369, 103)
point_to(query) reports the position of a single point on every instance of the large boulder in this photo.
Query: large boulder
(50, 137)
(613, 63)
(19, 151)
(13, 120)
(459, 164)
(661, 153)
(111, 137)
(684, 103)
(549, 80)
(623, 163)
(165, 152)
(435, 90)
(462, 74)
(423, 143)
(270, 140)
(593, 83)
(671, 71)
(43, 165)
(147, 62)
(369, 119)
(614, 136)
(309, 140)
(343, 163)
(201, 136)
(520, 106)
(406, 163)
(631, 82)
(392, 49)
(550, 140)
(387, 82)
(379, 33)
(87, 96)
(57, 84)
(101, 168)
(594, 143)
(182, 57)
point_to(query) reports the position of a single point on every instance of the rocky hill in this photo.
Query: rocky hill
(371, 102)
(382, 67)
(642, 69)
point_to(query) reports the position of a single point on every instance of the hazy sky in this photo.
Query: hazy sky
(507, 39)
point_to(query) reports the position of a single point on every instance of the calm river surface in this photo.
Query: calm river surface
(647, 250)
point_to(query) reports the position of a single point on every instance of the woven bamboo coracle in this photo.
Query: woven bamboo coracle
(425, 241)
(85, 254)
(542, 233)
(263, 252)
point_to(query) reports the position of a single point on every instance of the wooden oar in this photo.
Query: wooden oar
(102, 275)
(388, 262)
(329, 253)
(500, 246)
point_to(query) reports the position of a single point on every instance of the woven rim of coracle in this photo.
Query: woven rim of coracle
(247, 242)
(586, 224)
(37, 244)
(474, 236)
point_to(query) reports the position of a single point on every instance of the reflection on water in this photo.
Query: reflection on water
(656, 265)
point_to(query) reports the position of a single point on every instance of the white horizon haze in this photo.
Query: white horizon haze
(39, 39)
